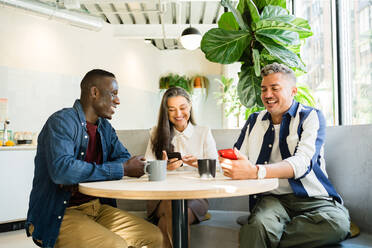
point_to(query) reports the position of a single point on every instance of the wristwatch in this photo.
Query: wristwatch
(261, 171)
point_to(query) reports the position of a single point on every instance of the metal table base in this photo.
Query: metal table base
(180, 224)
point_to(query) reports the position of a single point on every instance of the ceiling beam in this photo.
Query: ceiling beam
(154, 31)
(143, 1)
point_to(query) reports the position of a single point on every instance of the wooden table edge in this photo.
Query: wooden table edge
(171, 195)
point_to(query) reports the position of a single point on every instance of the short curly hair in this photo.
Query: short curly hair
(276, 68)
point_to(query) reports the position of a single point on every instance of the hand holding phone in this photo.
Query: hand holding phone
(174, 155)
(174, 164)
(227, 153)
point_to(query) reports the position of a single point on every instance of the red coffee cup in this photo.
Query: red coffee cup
(227, 153)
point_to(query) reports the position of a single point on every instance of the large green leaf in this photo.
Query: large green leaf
(295, 48)
(267, 58)
(286, 56)
(297, 52)
(302, 32)
(256, 61)
(262, 3)
(300, 22)
(224, 46)
(285, 37)
(237, 14)
(227, 21)
(304, 96)
(281, 3)
(276, 13)
(253, 11)
(241, 6)
(273, 11)
(246, 56)
(249, 87)
(286, 18)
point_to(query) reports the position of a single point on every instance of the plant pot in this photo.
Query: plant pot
(197, 82)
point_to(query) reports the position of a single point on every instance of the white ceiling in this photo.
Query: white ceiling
(161, 21)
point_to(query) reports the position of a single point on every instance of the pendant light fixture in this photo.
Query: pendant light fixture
(190, 38)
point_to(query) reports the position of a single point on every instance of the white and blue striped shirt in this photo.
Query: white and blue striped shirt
(301, 143)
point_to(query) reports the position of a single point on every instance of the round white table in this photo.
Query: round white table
(178, 187)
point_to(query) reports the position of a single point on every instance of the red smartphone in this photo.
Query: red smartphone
(227, 153)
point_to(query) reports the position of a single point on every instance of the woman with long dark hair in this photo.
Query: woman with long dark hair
(176, 131)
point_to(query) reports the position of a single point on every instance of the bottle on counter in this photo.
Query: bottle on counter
(5, 132)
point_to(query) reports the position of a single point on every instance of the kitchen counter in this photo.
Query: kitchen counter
(16, 174)
(18, 148)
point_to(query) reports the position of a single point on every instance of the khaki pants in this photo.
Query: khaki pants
(290, 221)
(95, 225)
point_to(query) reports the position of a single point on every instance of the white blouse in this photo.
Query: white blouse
(194, 140)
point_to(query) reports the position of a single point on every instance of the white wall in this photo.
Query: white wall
(42, 62)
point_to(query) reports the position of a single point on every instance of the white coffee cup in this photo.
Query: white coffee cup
(156, 170)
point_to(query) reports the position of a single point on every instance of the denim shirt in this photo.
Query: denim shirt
(61, 149)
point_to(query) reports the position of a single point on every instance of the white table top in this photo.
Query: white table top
(178, 185)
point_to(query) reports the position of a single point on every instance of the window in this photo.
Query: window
(354, 47)
(364, 20)
(356, 34)
(317, 53)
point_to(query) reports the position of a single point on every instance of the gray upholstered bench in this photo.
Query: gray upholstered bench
(348, 153)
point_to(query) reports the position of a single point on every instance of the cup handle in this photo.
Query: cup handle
(147, 163)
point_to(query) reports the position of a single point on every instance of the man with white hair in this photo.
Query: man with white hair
(286, 141)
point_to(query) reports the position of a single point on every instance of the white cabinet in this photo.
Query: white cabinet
(16, 174)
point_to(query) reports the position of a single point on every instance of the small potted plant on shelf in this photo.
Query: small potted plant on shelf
(171, 79)
(164, 82)
(200, 82)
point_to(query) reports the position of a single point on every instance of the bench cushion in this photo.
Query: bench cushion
(348, 156)
(362, 241)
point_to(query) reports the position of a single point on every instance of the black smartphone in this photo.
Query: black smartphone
(174, 155)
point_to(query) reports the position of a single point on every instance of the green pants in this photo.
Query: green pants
(290, 221)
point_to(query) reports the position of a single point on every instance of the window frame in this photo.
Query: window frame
(336, 83)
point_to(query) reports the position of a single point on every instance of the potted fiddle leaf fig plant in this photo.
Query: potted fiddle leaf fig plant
(256, 33)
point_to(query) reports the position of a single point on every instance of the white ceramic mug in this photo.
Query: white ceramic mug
(156, 169)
